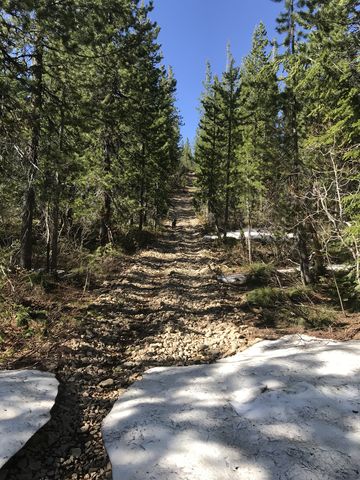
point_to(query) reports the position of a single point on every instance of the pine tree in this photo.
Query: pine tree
(229, 91)
(328, 92)
(209, 150)
(98, 141)
(289, 25)
(187, 157)
(258, 150)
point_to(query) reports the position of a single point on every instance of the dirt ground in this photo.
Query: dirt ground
(163, 306)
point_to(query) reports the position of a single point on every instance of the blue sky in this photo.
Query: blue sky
(194, 31)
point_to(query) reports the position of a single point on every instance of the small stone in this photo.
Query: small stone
(106, 383)
(35, 465)
(85, 428)
(22, 464)
(76, 452)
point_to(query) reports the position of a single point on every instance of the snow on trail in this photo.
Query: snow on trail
(253, 234)
(26, 398)
(285, 409)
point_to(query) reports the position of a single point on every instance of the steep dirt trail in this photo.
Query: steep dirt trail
(164, 307)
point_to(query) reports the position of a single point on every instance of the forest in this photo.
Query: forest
(124, 246)
(89, 129)
(278, 141)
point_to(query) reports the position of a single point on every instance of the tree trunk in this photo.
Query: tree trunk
(249, 243)
(29, 195)
(55, 227)
(227, 186)
(142, 189)
(56, 201)
(48, 238)
(26, 228)
(105, 218)
(301, 233)
(319, 261)
(302, 246)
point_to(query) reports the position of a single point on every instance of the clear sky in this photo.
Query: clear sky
(194, 31)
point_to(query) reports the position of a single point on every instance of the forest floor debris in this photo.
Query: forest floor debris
(162, 306)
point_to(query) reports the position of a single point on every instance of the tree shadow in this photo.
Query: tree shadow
(180, 422)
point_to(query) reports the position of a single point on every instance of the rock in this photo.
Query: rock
(35, 465)
(22, 464)
(106, 383)
(85, 428)
(76, 452)
(236, 278)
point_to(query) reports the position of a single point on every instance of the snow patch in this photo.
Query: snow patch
(285, 409)
(253, 234)
(26, 398)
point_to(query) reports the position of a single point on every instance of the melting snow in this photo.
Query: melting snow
(285, 409)
(254, 234)
(26, 398)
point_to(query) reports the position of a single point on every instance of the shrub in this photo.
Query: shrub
(299, 293)
(22, 316)
(318, 318)
(136, 239)
(265, 297)
(260, 274)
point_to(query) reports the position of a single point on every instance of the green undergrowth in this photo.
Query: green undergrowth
(21, 321)
(346, 285)
(273, 296)
(88, 268)
(136, 239)
(307, 317)
(38, 307)
(295, 306)
(260, 274)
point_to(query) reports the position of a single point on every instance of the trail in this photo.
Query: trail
(164, 307)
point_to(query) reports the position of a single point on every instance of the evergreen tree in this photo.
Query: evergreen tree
(229, 91)
(329, 94)
(187, 158)
(89, 123)
(209, 150)
(258, 150)
(296, 176)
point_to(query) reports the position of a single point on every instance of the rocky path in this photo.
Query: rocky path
(164, 308)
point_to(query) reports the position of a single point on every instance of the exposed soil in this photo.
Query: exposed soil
(164, 306)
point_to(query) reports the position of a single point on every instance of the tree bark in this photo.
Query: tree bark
(249, 243)
(142, 189)
(55, 226)
(56, 201)
(319, 261)
(29, 195)
(302, 246)
(301, 231)
(227, 186)
(26, 228)
(105, 216)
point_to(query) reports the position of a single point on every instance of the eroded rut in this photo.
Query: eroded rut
(164, 308)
